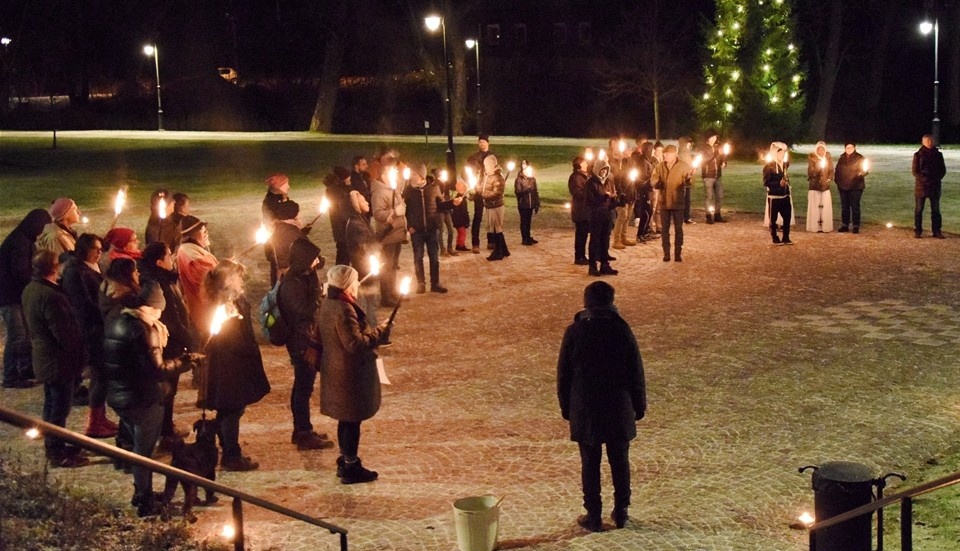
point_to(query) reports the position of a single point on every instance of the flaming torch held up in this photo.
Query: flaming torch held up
(726, 149)
(374, 268)
(404, 291)
(324, 208)
(118, 205)
(162, 208)
(865, 166)
(261, 236)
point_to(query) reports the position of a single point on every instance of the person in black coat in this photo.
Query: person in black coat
(422, 197)
(928, 171)
(338, 187)
(602, 392)
(601, 200)
(528, 200)
(577, 185)
(778, 192)
(16, 253)
(236, 377)
(299, 301)
(849, 174)
(134, 369)
(157, 266)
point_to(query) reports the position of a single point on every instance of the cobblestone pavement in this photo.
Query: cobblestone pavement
(759, 360)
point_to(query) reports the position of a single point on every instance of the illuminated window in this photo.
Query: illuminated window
(493, 34)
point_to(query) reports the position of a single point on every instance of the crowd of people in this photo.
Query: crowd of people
(132, 320)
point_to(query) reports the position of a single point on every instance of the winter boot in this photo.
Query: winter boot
(502, 240)
(676, 255)
(98, 426)
(718, 218)
(355, 473)
(605, 269)
(593, 271)
(497, 253)
(491, 243)
(773, 234)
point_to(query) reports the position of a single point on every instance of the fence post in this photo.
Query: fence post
(238, 524)
(906, 524)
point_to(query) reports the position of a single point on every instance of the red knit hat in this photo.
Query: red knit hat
(279, 183)
(118, 238)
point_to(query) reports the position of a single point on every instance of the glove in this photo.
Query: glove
(385, 330)
(306, 230)
(191, 360)
(400, 210)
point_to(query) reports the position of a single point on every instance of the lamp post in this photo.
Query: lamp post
(475, 45)
(433, 23)
(153, 51)
(926, 27)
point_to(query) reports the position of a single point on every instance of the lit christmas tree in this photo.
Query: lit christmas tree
(753, 75)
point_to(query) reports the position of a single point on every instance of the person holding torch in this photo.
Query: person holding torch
(390, 215)
(778, 192)
(713, 160)
(850, 172)
(349, 381)
(819, 201)
(528, 200)
(492, 188)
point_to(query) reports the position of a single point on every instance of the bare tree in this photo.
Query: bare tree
(334, 47)
(644, 58)
(829, 66)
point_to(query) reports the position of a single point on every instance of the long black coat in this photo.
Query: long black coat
(16, 254)
(175, 316)
(600, 381)
(236, 373)
(928, 171)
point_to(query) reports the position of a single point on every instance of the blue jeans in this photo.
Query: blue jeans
(144, 424)
(714, 189)
(935, 219)
(618, 455)
(304, 377)
(426, 238)
(57, 399)
(16, 349)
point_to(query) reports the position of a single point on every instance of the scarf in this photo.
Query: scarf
(361, 315)
(151, 318)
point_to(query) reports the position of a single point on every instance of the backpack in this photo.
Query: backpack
(275, 327)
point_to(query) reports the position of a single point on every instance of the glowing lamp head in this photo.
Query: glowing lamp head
(471, 43)
(444, 176)
(566, 206)
(219, 317)
(149, 50)
(622, 146)
(84, 220)
(432, 22)
(634, 174)
(889, 225)
(405, 286)
(511, 165)
(228, 532)
(32, 433)
(324, 205)
(262, 235)
(926, 27)
(119, 201)
(374, 265)
(162, 208)
(806, 518)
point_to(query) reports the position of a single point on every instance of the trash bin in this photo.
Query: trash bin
(838, 487)
(477, 521)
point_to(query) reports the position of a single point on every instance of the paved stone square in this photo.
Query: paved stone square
(759, 360)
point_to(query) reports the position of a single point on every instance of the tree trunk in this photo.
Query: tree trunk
(828, 73)
(874, 90)
(458, 72)
(656, 114)
(322, 119)
(952, 106)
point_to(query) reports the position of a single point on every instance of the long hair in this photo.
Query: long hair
(224, 283)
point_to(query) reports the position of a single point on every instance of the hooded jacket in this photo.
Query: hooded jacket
(601, 194)
(299, 296)
(16, 255)
(493, 185)
(819, 177)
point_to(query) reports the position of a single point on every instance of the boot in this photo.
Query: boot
(491, 244)
(666, 255)
(676, 255)
(620, 516)
(786, 235)
(593, 271)
(355, 473)
(502, 240)
(497, 253)
(605, 269)
(709, 218)
(98, 426)
(718, 218)
(617, 241)
(773, 234)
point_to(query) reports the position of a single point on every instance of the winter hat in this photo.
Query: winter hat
(189, 224)
(118, 238)
(152, 295)
(819, 145)
(60, 207)
(342, 277)
(775, 146)
(287, 210)
(278, 183)
(490, 165)
(359, 202)
(484, 137)
(341, 173)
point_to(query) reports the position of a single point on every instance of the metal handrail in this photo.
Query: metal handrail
(906, 516)
(18, 419)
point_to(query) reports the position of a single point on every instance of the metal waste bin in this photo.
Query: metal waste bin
(838, 487)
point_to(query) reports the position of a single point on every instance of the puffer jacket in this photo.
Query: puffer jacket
(54, 335)
(819, 177)
(134, 368)
(849, 172)
(422, 207)
(600, 381)
(493, 187)
(392, 227)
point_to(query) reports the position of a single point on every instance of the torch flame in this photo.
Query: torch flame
(262, 234)
(324, 205)
(528, 172)
(602, 155)
(219, 317)
(697, 160)
(566, 206)
(622, 146)
(85, 220)
(119, 202)
(712, 209)
(471, 177)
(588, 154)
(889, 225)
(162, 208)
(374, 265)
(786, 157)
(823, 163)
(406, 173)
(392, 176)
(726, 149)
(511, 165)
(444, 176)
(768, 157)
(634, 173)
(405, 286)
(866, 165)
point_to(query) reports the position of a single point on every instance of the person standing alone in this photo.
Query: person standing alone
(928, 170)
(602, 392)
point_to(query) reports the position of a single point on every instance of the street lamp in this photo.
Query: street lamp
(153, 51)
(926, 27)
(475, 45)
(434, 22)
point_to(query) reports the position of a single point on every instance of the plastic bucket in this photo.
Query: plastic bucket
(477, 521)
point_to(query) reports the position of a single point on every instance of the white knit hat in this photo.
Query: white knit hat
(342, 277)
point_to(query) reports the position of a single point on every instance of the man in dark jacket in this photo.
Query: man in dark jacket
(56, 345)
(360, 179)
(157, 266)
(475, 162)
(16, 254)
(339, 185)
(423, 202)
(713, 159)
(602, 392)
(577, 185)
(928, 170)
(601, 200)
(134, 370)
(849, 174)
(299, 302)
